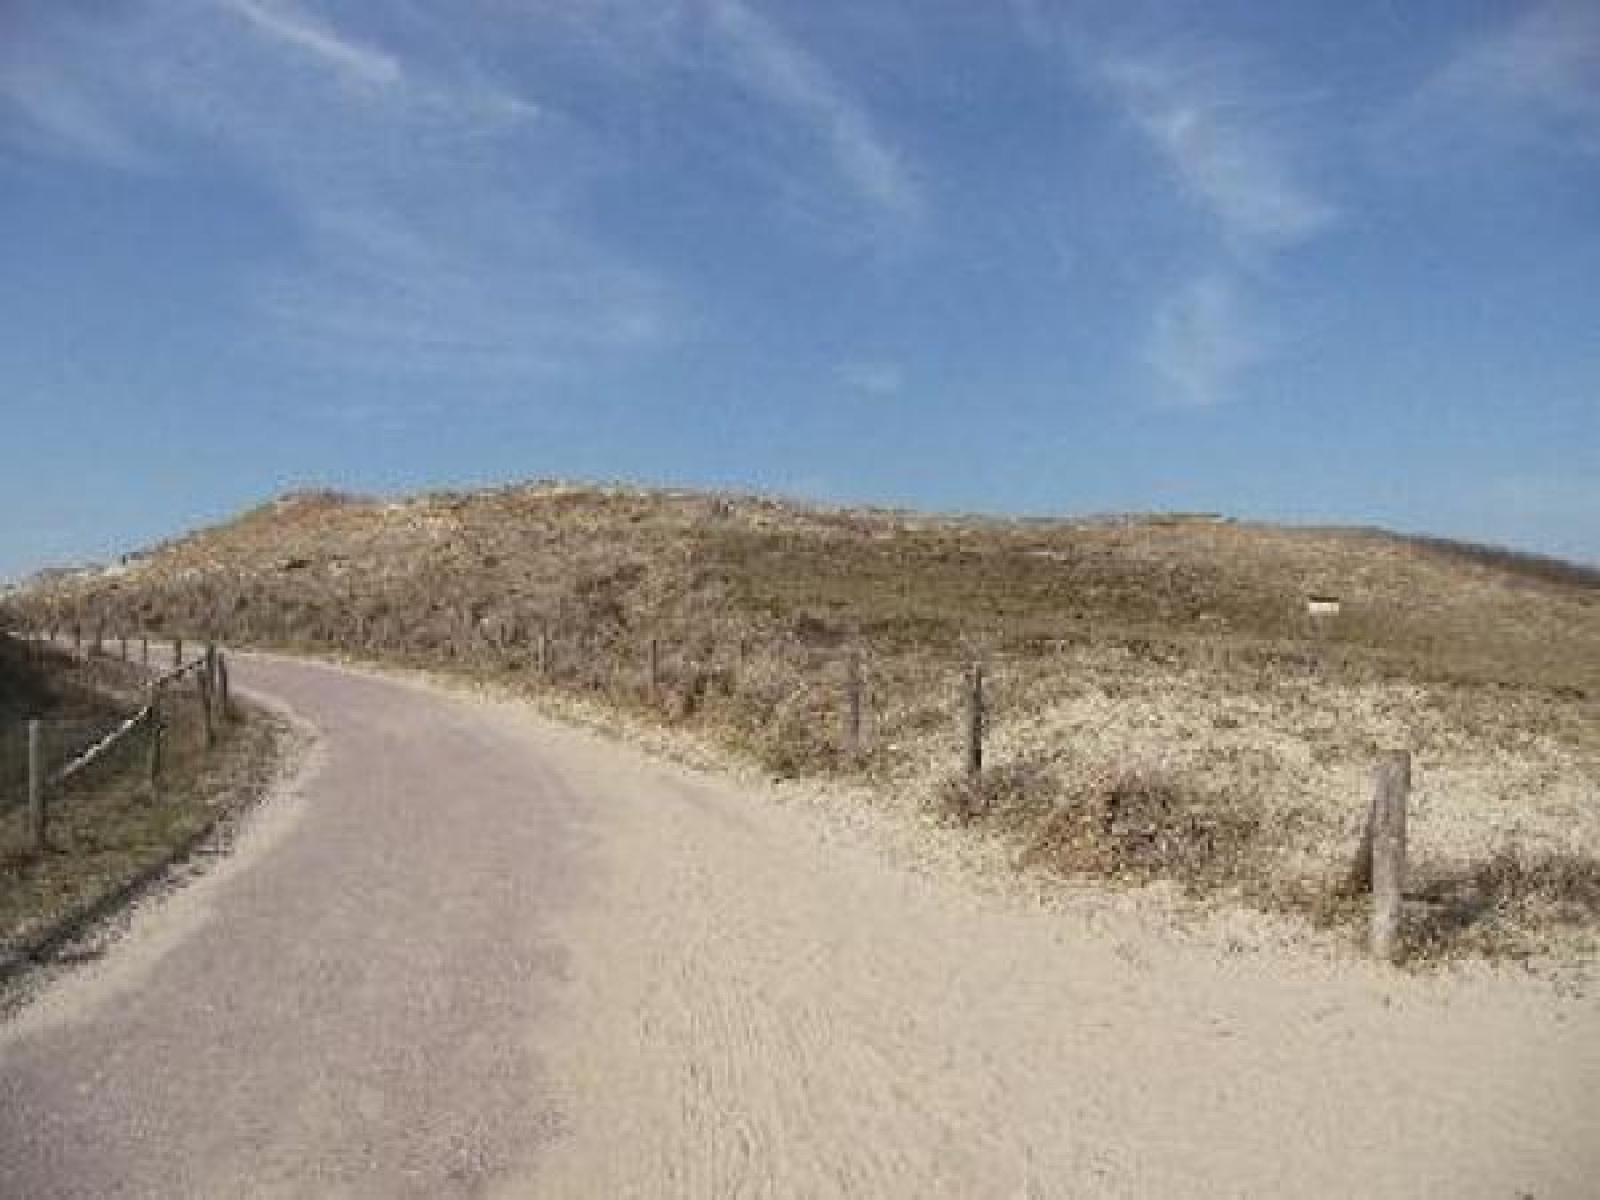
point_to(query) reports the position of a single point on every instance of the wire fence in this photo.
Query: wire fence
(806, 700)
(47, 761)
(63, 740)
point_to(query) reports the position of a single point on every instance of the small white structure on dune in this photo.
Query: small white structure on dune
(1322, 606)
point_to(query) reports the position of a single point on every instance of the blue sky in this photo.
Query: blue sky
(1291, 261)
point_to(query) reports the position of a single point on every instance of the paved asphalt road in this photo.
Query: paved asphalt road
(478, 953)
(344, 1006)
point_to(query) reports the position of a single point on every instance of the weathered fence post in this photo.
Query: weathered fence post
(975, 721)
(177, 651)
(1391, 787)
(544, 652)
(144, 651)
(1358, 881)
(202, 679)
(156, 730)
(655, 671)
(225, 705)
(852, 704)
(38, 832)
(122, 646)
(99, 646)
(77, 638)
(212, 688)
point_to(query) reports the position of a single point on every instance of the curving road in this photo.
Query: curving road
(340, 1008)
(471, 952)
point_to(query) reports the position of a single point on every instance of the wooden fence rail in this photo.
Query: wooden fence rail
(210, 672)
(99, 750)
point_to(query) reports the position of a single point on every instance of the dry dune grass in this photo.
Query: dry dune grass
(1162, 708)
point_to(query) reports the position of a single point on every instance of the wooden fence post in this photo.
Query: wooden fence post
(225, 705)
(655, 671)
(852, 704)
(144, 651)
(211, 679)
(177, 651)
(202, 679)
(544, 652)
(156, 730)
(975, 721)
(99, 646)
(1358, 881)
(122, 646)
(38, 832)
(77, 638)
(1391, 786)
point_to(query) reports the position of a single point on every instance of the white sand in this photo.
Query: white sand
(766, 1000)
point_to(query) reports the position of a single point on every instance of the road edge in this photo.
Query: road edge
(213, 840)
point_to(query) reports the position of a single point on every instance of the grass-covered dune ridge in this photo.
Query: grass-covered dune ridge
(1161, 667)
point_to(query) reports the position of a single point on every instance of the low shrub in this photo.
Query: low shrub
(1142, 823)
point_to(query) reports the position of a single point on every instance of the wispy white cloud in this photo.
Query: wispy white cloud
(49, 108)
(423, 243)
(804, 137)
(396, 292)
(1224, 130)
(873, 377)
(1203, 339)
(41, 110)
(1217, 137)
(356, 62)
(1535, 76)
(773, 66)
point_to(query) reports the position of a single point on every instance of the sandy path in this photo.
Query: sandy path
(482, 951)
(758, 1004)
